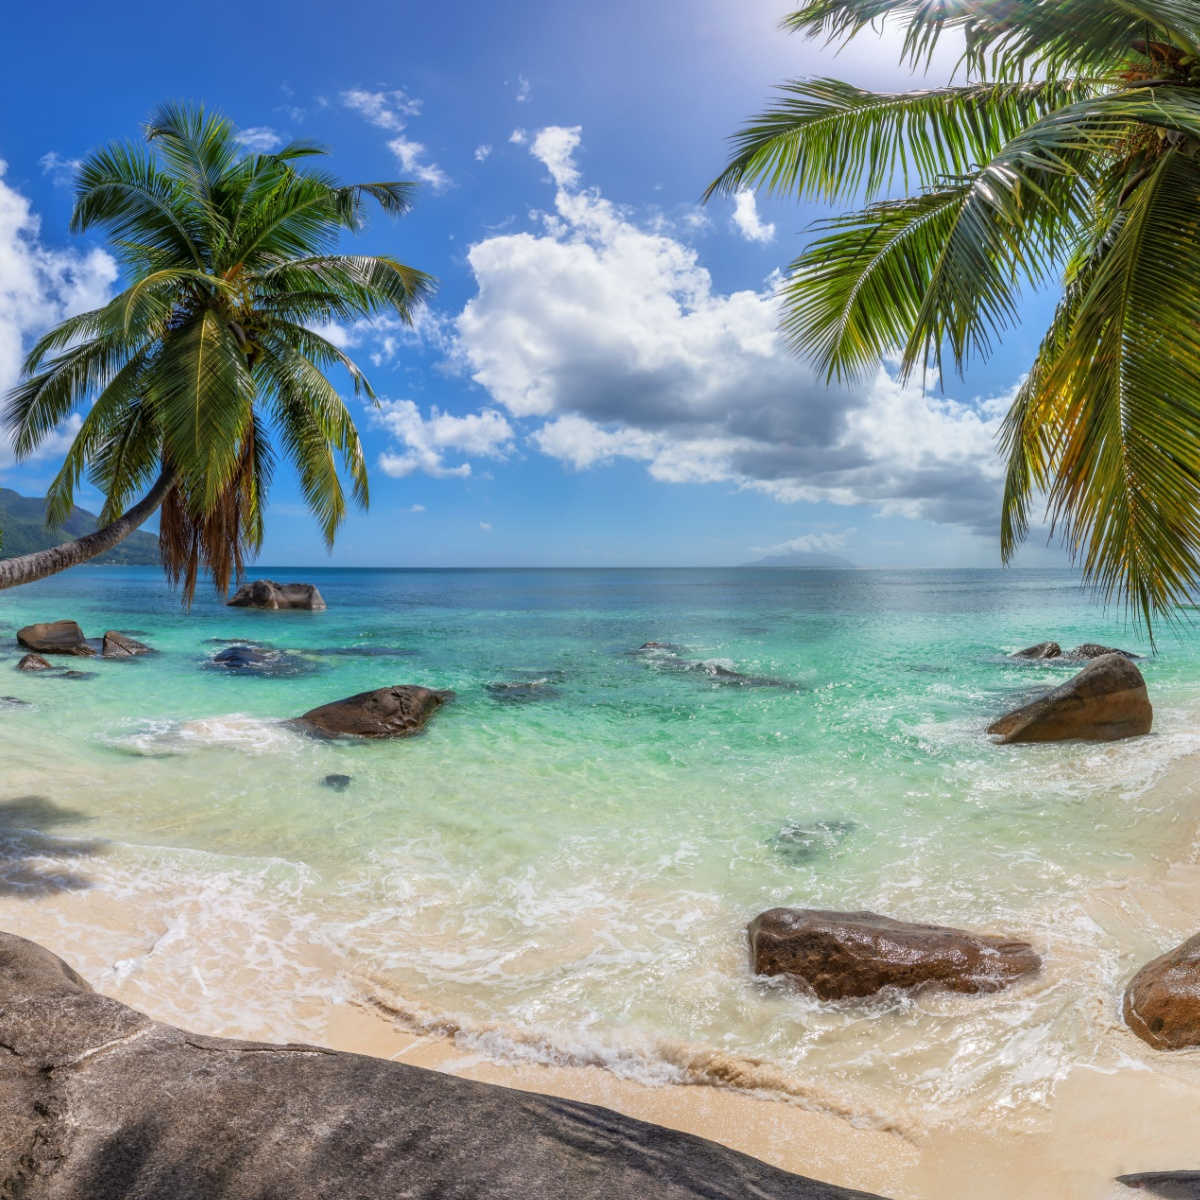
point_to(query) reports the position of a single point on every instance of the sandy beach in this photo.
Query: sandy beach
(1132, 1110)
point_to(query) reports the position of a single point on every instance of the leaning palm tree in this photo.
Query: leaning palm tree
(1067, 152)
(210, 357)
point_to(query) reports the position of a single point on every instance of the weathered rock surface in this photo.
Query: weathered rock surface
(98, 1102)
(1162, 1001)
(55, 637)
(119, 645)
(1041, 650)
(1169, 1185)
(849, 955)
(1106, 701)
(266, 593)
(1090, 650)
(34, 662)
(386, 713)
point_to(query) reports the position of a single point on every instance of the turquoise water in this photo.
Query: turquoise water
(564, 870)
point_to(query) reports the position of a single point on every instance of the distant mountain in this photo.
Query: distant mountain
(803, 558)
(23, 529)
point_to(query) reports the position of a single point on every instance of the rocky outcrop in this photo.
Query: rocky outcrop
(841, 955)
(263, 661)
(55, 637)
(34, 662)
(387, 713)
(1168, 1185)
(98, 1102)
(1162, 1001)
(1090, 650)
(1106, 701)
(118, 645)
(266, 593)
(1040, 651)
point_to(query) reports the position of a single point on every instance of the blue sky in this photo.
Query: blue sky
(597, 380)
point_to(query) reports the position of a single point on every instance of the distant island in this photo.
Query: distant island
(803, 558)
(23, 529)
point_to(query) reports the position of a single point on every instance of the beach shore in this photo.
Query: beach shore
(1129, 1110)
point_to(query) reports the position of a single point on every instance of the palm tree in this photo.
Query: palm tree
(1069, 152)
(210, 354)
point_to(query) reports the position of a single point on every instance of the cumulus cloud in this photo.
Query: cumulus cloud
(747, 221)
(483, 153)
(808, 543)
(260, 139)
(421, 443)
(485, 526)
(518, 137)
(608, 332)
(389, 109)
(524, 89)
(39, 286)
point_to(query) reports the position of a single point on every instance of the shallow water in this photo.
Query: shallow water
(563, 869)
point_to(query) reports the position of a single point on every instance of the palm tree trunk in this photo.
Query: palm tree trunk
(27, 567)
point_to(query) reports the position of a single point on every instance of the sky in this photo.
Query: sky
(599, 379)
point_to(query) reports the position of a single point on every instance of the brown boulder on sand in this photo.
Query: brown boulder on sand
(1107, 700)
(843, 955)
(98, 1102)
(266, 593)
(34, 662)
(387, 713)
(117, 645)
(1162, 1001)
(55, 637)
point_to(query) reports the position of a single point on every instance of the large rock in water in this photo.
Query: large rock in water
(1040, 651)
(98, 1102)
(34, 662)
(1107, 700)
(117, 645)
(266, 593)
(387, 713)
(843, 955)
(55, 637)
(1162, 1001)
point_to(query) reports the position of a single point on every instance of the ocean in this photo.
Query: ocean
(562, 867)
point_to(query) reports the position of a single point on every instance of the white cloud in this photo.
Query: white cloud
(390, 109)
(518, 137)
(485, 526)
(483, 153)
(555, 146)
(417, 508)
(62, 171)
(808, 543)
(422, 442)
(260, 139)
(747, 221)
(608, 330)
(39, 286)
(524, 89)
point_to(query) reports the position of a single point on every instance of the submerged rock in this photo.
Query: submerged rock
(338, 783)
(1106, 701)
(385, 713)
(14, 702)
(55, 637)
(1162, 1001)
(667, 657)
(523, 691)
(119, 645)
(266, 593)
(849, 955)
(99, 1102)
(1169, 1185)
(77, 675)
(263, 661)
(800, 844)
(1040, 651)
(34, 662)
(1091, 650)
(365, 651)
(668, 647)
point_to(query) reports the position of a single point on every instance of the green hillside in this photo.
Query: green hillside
(23, 528)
